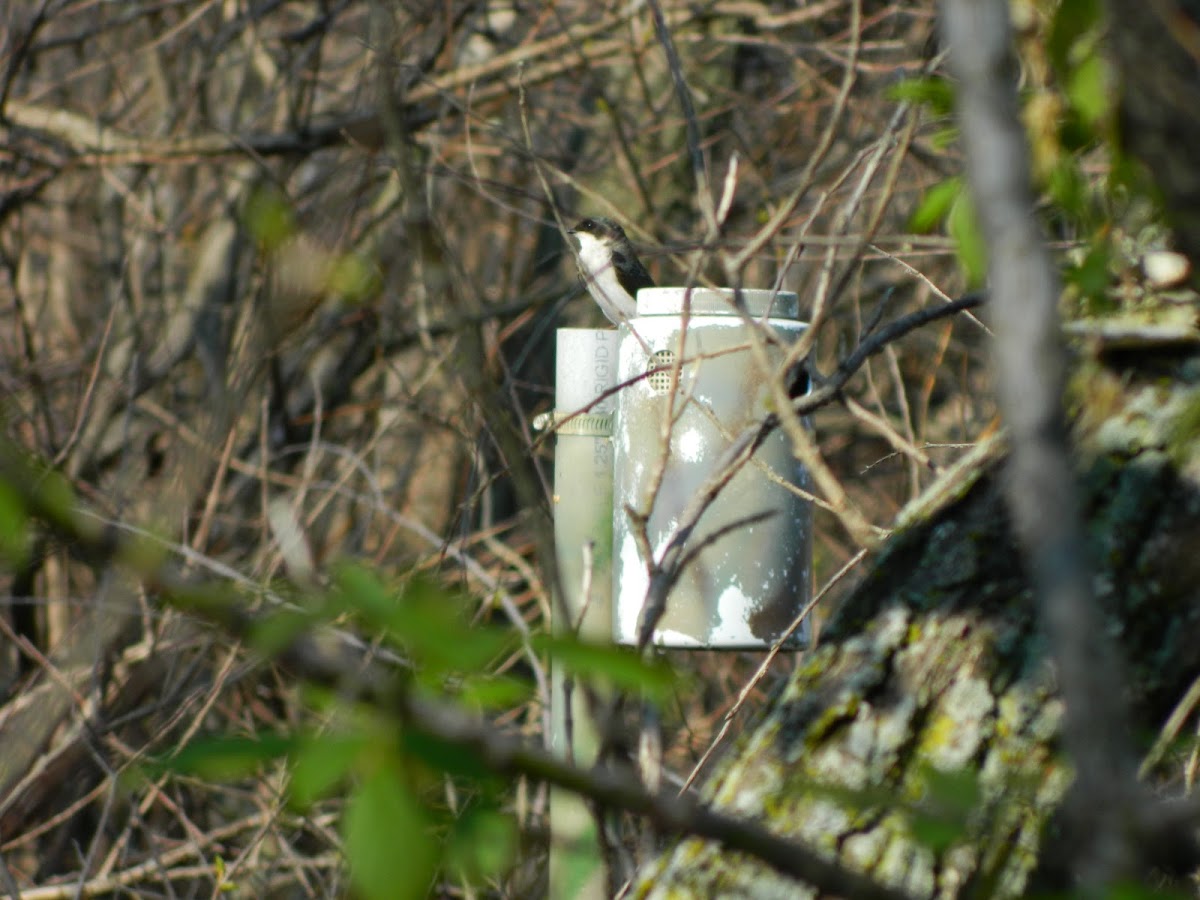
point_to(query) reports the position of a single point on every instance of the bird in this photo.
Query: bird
(611, 268)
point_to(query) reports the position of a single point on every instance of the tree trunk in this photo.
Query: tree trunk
(918, 742)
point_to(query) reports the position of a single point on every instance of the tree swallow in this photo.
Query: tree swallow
(611, 268)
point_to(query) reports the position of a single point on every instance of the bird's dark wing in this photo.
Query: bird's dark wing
(631, 273)
(798, 379)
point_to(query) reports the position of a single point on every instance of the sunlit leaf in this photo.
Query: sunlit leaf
(935, 206)
(964, 228)
(224, 885)
(937, 94)
(944, 138)
(1090, 90)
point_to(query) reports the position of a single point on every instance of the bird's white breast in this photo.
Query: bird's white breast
(596, 258)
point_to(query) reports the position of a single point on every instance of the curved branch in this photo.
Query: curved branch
(1031, 377)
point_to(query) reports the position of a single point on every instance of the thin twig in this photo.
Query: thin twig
(692, 124)
(664, 572)
(311, 658)
(782, 641)
(1031, 376)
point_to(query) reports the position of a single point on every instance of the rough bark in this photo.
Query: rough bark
(920, 741)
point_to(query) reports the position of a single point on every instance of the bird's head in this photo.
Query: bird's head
(610, 266)
(598, 228)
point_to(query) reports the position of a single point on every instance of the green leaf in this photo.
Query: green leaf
(448, 643)
(964, 228)
(352, 277)
(1136, 890)
(269, 217)
(495, 692)
(1090, 278)
(212, 598)
(276, 632)
(578, 863)
(224, 885)
(944, 138)
(360, 591)
(1075, 136)
(1185, 430)
(941, 816)
(955, 793)
(483, 843)
(429, 622)
(937, 94)
(225, 758)
(621, 666)
(444, 756)
(935, 833)
(935, 206)
(388, 844)
(1073, 20)
(320, 763)
(1068, 188)
(1090, 89)
(14, 527)
(57, 496)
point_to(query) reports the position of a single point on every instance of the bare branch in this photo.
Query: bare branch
(665, 571)
(311, 657)
(1031, 376)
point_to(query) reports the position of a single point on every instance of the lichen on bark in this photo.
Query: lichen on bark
(919, 741)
